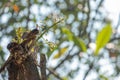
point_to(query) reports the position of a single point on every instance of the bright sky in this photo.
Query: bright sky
(113, 7)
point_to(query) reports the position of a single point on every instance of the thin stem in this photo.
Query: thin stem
(49, 28)
(54, 73)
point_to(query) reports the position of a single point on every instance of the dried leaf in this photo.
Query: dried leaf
(15, 8)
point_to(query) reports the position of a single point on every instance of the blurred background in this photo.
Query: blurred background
(70, 45)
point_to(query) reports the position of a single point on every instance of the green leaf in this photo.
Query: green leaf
(79, 42)
(103, 37)
(68, 33)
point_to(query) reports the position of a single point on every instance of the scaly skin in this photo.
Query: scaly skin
(20, 64)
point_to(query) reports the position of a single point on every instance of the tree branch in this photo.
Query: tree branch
(43, 66)
(65, 59)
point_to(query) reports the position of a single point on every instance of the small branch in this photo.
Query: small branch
(28, 19)
(43, 66)
(87, 20)
(83, 12)
(87, 73)
(90, 68)
(49, 28)
(54, 73)
(116, 38)
(66, 58)
(93, 19)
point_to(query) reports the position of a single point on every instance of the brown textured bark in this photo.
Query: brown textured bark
(25, 71)
(43, 66)
(21, 63)
(12, 71)
(31, 69)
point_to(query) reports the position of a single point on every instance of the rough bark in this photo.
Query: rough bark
(21, 62)
(43, 66)
(27, 70)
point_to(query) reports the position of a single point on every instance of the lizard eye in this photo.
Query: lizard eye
(11, 45)
(35, 31)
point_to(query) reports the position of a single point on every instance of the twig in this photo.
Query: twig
(28, 19)
(49, 28)
(43, 66)
(93, 19)
(88, 18)
(81, 28)
(90, 67)
(54, 73)
(116, 38)
(66, 58)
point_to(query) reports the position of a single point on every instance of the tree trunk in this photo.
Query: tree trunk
(25, 71)
(21, 62)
